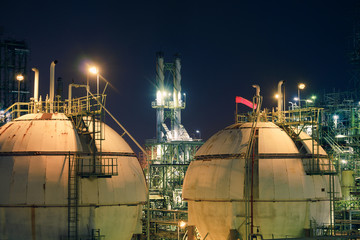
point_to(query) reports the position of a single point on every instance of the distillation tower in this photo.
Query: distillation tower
(169, 154)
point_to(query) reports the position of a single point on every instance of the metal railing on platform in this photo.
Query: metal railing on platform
(98, 166)
(75, 106)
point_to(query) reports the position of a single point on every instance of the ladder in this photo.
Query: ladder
(73, 194)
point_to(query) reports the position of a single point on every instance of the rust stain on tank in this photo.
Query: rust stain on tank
(10, 124)
(26, 131)
(46, 116)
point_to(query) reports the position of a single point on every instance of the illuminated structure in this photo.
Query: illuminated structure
(13, 61)
(340, 137)
(65, 174)
(263, 177)
(169, 154)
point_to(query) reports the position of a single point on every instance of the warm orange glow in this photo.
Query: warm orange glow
(277, 96)
(301, 86)
(93, 70)
(182, 224)
(19, 77)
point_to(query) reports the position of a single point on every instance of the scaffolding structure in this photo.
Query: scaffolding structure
(13, 61)
(169, 156)
(341, 139)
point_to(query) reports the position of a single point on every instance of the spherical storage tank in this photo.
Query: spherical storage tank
(34, 167)
(285, 198)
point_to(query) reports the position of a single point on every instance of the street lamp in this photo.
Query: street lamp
(95, 70)
(301, 86)
(182, 225)
(198, 134)
(19, 77)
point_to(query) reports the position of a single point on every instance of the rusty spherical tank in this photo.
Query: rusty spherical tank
(34, 173)
(286, 195)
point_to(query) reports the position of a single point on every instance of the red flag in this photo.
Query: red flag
(245, 102)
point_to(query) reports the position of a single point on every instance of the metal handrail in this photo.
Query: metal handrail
(74, 107)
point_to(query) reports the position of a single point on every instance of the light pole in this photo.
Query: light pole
(95, 70)
(19, 77)
(301, 86)
(181, 224)
(198, 134)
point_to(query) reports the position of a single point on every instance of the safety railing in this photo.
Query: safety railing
(98, 166)
(318, 166)
(75, 106)
(167, 104)
(168, 217)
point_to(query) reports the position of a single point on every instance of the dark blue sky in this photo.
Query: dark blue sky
(226, 46)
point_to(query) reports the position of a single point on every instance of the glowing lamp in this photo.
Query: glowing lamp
(182, 224)
(301, 86)
(19, 77)
(94, 70)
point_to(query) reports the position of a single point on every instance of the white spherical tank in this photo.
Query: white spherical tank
(285, 198)
(34, 171)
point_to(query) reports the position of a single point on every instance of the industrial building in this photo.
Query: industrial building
(289, 172)
(168, 155)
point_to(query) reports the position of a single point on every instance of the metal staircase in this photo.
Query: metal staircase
(87, 118)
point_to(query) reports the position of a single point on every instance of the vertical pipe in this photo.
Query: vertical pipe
(257, 97)
(177, 80)
(36, 88)
(36, 84)
(257, 87)
(252, 191)
(177, 96)
(52, 84)
(160, 98)
(279, 101)
(70, 96)
(160, 70)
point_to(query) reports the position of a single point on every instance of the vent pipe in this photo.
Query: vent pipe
(177, 79)
(256, 100)
(52, 80)
(257, 87)
(52, 84)
(160, 96)
(280, 97)
(36, 84)
(177, 97)
(160, 70)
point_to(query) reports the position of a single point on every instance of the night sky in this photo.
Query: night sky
(225, 46)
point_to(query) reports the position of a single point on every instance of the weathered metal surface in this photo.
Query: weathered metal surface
(285, 198)
(34, 178)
